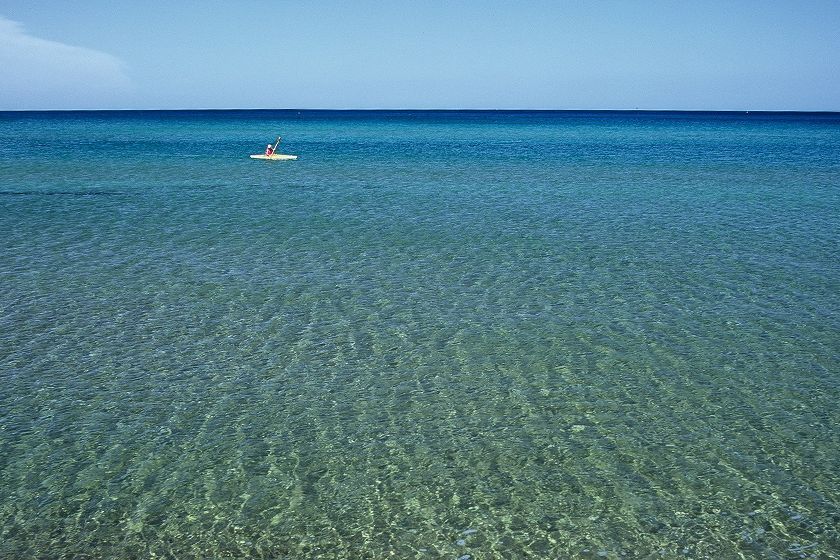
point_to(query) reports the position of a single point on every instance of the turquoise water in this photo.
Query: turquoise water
(436, 334)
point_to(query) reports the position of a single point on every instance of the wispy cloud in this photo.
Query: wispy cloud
(40, 74)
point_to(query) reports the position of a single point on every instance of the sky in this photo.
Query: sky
(652, 55)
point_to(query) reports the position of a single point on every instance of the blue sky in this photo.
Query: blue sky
(738, 55)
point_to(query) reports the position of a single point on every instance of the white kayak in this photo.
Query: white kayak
(274, 157)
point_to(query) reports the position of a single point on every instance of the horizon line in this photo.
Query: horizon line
(429, 110)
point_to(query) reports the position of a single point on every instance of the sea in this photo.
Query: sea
(436, 335)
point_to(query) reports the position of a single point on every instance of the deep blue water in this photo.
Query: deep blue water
(438, 333)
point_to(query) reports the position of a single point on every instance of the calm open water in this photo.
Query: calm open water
(435, 335)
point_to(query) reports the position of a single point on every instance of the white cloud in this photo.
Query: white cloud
(40, 74)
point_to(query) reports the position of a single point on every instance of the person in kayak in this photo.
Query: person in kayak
(269, 150)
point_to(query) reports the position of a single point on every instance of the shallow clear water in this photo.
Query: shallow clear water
(436, 334)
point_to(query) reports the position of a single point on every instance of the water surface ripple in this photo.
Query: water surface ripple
(436, 334)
